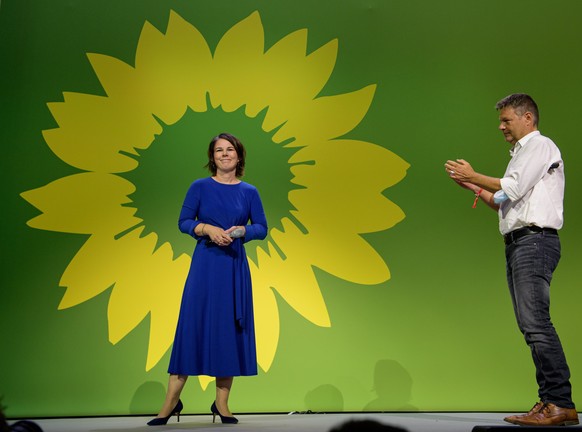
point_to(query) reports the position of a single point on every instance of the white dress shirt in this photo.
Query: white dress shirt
(535, 191)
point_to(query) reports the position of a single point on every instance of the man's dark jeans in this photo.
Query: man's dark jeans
(531, 261)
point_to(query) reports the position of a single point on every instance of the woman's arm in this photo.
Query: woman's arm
(257, 229)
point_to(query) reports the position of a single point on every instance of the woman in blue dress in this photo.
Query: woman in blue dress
(215, 334)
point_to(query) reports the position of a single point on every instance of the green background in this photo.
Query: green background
(439, 335)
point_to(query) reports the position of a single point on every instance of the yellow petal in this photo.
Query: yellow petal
(302, 290)
(371, 172)
(327, 117)
(291, 76)
(266, 312)
(291, 79)
(204, 381)
(95, 131)
(150, 282)
(144, 282)
(237, 59)
(172, 69)
(83, 279)
(93, 269)
(84, 203)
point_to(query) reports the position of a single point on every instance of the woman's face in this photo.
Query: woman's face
(225, 156)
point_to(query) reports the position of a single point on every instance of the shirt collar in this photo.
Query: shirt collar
(523, 141)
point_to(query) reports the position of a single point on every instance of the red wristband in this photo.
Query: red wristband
(477, 195)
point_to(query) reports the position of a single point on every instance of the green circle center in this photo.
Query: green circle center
(177, 157)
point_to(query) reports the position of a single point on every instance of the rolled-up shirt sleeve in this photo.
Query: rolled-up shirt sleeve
(528, 166)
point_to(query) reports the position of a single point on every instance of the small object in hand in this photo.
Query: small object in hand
(237, 233)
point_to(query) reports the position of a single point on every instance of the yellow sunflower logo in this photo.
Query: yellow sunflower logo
(130, 145)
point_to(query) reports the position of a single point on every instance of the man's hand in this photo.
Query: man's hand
(460, 171)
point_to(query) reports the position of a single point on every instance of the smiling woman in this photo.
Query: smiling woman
(215, 335)
(226, 156)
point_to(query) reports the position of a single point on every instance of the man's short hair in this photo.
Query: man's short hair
(521, 103)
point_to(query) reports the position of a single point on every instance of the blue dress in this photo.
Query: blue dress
(215, 335)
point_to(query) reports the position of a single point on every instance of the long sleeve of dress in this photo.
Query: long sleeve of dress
(257, 229)
(187, 221)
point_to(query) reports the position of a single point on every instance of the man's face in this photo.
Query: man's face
(514, 126)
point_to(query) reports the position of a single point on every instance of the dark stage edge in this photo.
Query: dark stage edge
(412, 422)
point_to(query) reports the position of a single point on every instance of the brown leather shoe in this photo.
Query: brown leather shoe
(511, 419)
(550, 415)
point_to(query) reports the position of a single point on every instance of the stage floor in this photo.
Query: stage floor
(413, 422)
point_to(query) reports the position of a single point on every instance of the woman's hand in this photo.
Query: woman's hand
(236, 231)
(218, 235)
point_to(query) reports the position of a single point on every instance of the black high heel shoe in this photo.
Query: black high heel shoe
(160, 421)
(223, 419)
